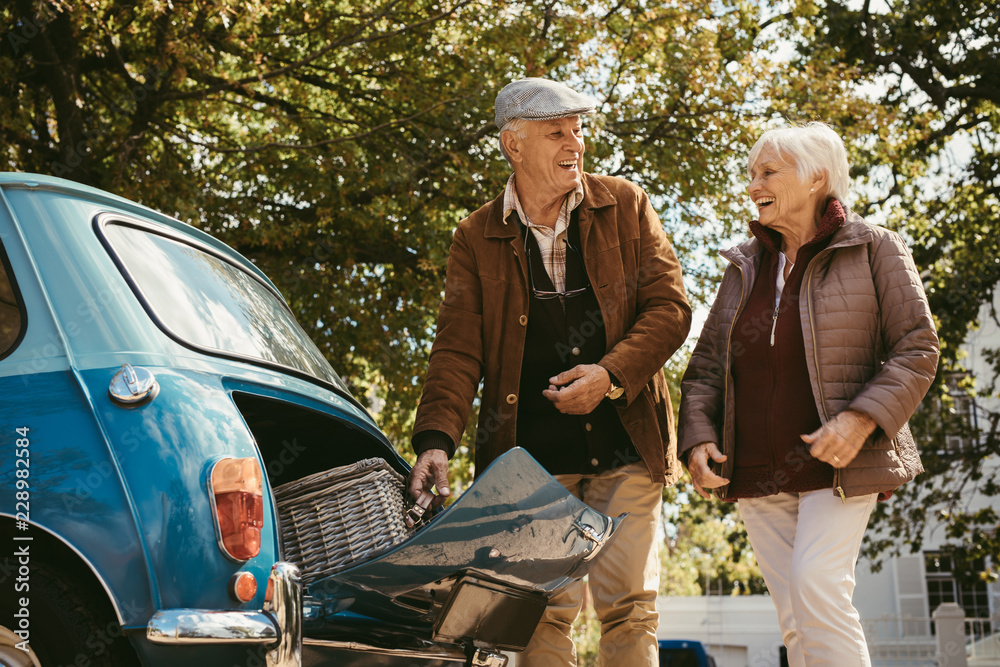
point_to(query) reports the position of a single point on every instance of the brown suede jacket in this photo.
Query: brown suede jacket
(870, 346)
(482, 322)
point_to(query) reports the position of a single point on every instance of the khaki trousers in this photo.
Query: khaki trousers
(624, 579)
(807, 547)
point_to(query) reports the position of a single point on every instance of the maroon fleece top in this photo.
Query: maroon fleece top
(774, 398)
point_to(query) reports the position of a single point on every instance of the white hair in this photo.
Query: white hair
(815, 149)
(517, 126)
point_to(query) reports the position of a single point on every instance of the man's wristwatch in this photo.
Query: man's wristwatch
(615, 392)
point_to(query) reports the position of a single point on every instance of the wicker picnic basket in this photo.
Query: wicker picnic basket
(333, 519)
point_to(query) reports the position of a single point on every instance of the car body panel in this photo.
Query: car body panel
(79, 498)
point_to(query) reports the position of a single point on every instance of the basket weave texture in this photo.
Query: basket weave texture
(333, 519)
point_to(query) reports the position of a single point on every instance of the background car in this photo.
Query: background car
(684, 653)
(157, 392)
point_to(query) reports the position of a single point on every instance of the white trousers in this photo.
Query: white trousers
(624, 578)
(807, 547)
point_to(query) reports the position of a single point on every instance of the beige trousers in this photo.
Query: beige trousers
(807, 547)
(624, 578)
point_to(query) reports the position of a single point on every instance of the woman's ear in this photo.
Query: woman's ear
(819, 182)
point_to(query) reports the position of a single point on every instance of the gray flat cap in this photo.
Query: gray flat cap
(540, 99)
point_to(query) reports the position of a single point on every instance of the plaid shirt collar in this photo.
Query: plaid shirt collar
(512, 203)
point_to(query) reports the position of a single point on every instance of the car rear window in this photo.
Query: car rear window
(206, 301)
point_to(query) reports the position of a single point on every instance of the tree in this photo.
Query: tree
(706, 547)
(931, 168)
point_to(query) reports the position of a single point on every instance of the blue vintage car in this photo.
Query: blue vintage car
(155, 390)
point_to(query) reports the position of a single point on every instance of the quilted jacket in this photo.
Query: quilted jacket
(870, 344)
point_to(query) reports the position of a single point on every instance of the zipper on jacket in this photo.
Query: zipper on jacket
(729, 344)
(819, 384)
(774, 324)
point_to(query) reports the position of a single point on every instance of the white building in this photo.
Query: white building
(912, 586)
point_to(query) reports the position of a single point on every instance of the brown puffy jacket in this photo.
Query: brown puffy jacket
(870, 346)
(482, 322)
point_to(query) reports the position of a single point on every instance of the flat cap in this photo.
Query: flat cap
(540, 99)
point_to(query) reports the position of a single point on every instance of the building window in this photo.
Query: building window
(944, 586)
(962, 412)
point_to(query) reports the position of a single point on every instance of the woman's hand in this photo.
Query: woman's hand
(701, 472)
(839, 440)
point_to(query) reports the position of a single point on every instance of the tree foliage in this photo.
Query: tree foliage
(706, 550)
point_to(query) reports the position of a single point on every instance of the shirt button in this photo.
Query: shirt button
(523, 320)
(588, 426)
(512, 398)
(594, 462)
(576, 351)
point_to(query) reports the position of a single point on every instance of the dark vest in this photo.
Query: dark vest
(561, 335)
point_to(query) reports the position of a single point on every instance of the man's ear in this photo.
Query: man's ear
(512, 144)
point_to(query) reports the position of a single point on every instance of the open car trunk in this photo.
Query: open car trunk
(484, 567)
(479, 573)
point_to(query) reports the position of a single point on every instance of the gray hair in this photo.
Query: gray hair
(815, 149)
(515, 125)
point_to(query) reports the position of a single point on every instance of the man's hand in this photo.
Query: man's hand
(701, 473)
(579, 390)
(839, 440)
(430, 471)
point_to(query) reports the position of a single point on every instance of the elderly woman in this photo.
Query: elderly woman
(817, 350)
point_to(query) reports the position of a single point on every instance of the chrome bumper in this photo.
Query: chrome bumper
(278, 624)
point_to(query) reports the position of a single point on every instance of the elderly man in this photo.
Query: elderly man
(564, 297)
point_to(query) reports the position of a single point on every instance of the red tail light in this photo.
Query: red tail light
(238, 494)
